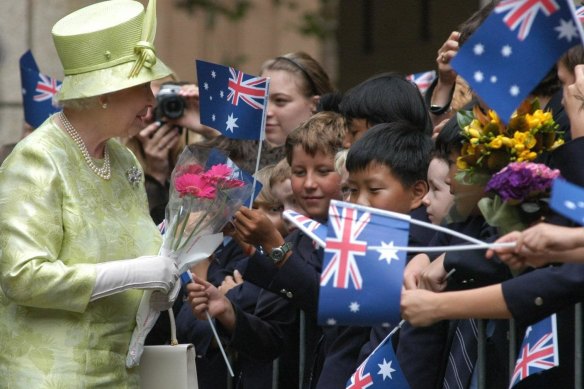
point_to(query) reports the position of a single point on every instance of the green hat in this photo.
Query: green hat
(106, 47)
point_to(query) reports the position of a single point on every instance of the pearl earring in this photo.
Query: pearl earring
(104, 105)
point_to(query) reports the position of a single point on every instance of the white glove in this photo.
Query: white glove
(161, 301)
(148, 272)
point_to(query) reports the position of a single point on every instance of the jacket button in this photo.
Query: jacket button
(538, 301)
(289, 295)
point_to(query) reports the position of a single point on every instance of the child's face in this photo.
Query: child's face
(314, 182)
(438, 200)
(376, 186)
(274, 213)
(283, 192)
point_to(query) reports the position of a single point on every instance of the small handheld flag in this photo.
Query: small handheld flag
(518, 32)
(359, 262)
(231, 101)
(38, 91)
(568, 200)
(423, 80)
(312, 228)
(539, 350)
(380, 370)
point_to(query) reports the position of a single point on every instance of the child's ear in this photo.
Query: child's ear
(314, 100)
(418, 191)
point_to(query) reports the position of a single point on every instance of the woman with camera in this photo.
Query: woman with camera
(73, 208)
(297, 81)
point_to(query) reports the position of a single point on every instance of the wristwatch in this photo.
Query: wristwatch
(278, 253)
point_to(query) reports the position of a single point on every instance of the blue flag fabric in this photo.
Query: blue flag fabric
(568, 200)
(379, 370)
(38, 91)
(514, 48)
(362, 273)
(231, 101)
(312, 228)
(539, 350)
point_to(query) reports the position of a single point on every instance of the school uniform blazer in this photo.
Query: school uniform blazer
(331, 352)
(535, 295)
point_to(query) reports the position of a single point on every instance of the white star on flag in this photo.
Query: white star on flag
(213, 117)
(514, 90)
(506, 51)
(206, 86)
(354, 306)
(567, 30)
(493, 79)
(479, 76)
(213, 74)
(385, 369)
(387, 252)
(331, 322)
(479, 49)
(221, 94)
(231, 125)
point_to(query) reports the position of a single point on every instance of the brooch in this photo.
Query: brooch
(134, 175)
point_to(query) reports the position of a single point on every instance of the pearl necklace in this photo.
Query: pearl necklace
(105, 171)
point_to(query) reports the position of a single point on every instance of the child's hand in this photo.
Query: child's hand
(204, 297)
(231, 282)
(413, 270)
(255, 228)
(433, 277)
(418, 307)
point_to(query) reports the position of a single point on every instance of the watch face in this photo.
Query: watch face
(277, 254)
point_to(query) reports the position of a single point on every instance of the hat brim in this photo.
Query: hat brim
(112, 79)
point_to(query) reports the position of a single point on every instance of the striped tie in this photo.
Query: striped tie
(462, 356)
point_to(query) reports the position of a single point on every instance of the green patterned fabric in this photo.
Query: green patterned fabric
(58, 220)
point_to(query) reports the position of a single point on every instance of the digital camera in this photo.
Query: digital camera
(169, 103)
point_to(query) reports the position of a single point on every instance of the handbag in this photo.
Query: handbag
(169, 366)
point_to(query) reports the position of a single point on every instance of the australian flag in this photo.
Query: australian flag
(422, 80)
(38, 91)
(312, 228)
(231, 101)
(514, 49)
(539, 350)
(568, 200)
(362, 272)
(379, 370)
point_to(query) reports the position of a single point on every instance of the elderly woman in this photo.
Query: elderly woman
(74, 208)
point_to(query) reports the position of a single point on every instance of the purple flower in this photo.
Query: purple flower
(520, 181)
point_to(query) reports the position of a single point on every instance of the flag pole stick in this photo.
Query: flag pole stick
(261, 140)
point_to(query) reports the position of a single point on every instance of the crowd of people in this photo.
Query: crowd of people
(81, 197)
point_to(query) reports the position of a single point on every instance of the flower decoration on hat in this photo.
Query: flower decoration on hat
(489, 144)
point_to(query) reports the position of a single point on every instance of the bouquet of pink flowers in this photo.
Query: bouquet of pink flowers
(520, 195)
(206, 190)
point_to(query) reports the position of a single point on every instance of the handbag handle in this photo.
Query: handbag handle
(173, 340)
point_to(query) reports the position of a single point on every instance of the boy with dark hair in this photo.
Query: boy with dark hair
(289, 271)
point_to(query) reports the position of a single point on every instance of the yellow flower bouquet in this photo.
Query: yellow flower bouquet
(489, 144)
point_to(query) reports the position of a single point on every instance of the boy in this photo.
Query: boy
(294, 275)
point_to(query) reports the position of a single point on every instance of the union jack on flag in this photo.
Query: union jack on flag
(423, 80)
(312, 228)
(379, 371)
(38, 91)
(580, 14)
(232, 101)
(522, 13)
(360, 261)
(46, 88)
(517, 32)
(539, 350)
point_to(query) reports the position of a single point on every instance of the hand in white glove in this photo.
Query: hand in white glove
(161, 301)
(148, 272)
